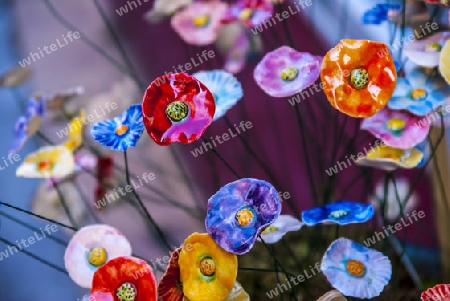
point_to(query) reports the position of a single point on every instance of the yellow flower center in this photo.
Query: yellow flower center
(244, 217)
(289, 73)
(355, 268)
(359, 78)
(177, 111)
(45, 165)
(433, 47)
(418, 94)
(338, 213)
(396, 124)
(269, 229)
(201, 20)
(97, 257)
(245, 14)
(126, 292)
(207, 266)
(121, 130)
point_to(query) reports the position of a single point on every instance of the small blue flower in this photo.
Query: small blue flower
(120, 132)
(379, 13)
(341, 212)
(418, 93)
(227, 90)
(355, 270)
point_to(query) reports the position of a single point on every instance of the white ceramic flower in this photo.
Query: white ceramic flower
(282, 225)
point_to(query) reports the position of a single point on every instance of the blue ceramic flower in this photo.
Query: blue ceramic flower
(227, 90)
(120, 132)
(239, 212)
(341, 212)
(355, 270)
(379, 13)
(418, 93)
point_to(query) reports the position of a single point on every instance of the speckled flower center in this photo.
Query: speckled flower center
(433, 47)
(177, 111)
(245, 14)
(396, 124)
(289, 74)
(338, 213)
(97, 256)
(45, 165)
(207, 266)
(355, 268)
(418, 94)
(201, 20)
(126, 292)
(359, 78)
(269, 229)
(244, 217)
(121, 130)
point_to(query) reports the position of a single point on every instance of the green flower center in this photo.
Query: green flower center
(289, 74)
(207, 266)
(433, 47)
(355, 268)
(177, 111)
(244, 217)
(338, 213)
(418, 94)
(126, 292)
(359, 78)
(97, 256)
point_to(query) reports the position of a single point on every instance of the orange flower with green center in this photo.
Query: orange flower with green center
(206, 270)
(358, 77)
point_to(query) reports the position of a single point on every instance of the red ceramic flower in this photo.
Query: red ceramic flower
(177, 108)
(169, 288)
(124, 279)
(436, 293)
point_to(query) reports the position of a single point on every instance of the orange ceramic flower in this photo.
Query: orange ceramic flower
(206, 270)
(358, 77)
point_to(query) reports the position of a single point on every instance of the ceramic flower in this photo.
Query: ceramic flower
(358, 77)
(170, 287)
(444, 62)
(47, 162)
(120, 132)
(237, 55)
(59, 105)
(226, 89)
(164, 8)
(200, 22)
(396, 128)
(418, 94)
(75, 132)
(15, 76)
(426, 52)
(240, 211)
(237, 293)
(282, 225)
(82, 162)
(90, 248)
(206, 270)
(440, 292)
(124, 278)
(340, 212)
(285, 71)
(379, 13)
(177, 108)
(392, 207)
(390, 158)
(355, 270)
(333, 295)
(250, 13)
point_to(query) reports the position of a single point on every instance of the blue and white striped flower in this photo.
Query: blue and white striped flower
(355, 270)
(227, 90)
(418, 93)
(120, 132)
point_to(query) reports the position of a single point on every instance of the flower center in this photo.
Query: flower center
(177, 111)
(418, 94)
(207, 266)
(289, 74)
(396, 124)
(355, 268)
(121, 130)
(126, 292)
(244, 217)
(392, 156)
(97, 256)
(338, 213)
(245, 14)
(433, 47)
(45, 165)
(269, 229)
(201, 20)
(359, 78)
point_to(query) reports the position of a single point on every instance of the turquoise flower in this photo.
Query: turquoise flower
(227, 90)
(355, 270)
(418, 93)
(120, 132)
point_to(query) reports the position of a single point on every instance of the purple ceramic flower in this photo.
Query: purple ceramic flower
(285, 71)
(239, 212)
(398, 129)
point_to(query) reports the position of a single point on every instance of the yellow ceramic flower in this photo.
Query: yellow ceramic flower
(444, 62)
(75, 130)
(390, 158)
(47, 162)
(206, 270)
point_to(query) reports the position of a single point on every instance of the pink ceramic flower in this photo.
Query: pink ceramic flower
(285, 71)
(237, 56)
(90, 248)
(200, 22)
(398, 129)
(440, 292)
(251, 13)
(426, 52)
